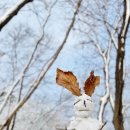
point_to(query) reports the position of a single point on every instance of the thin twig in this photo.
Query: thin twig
(103, 126)
(45, 70)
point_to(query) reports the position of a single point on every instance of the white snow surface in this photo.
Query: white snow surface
(83, 120)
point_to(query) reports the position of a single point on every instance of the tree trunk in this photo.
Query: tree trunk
(119, 74)
(118, 117)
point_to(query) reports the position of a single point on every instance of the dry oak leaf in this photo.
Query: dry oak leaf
(91, 83)
(69, 81)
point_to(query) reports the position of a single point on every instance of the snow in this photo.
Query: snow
(83, 108)
(127, 17)
(10, 11)
(122, 40)
(119, 65)
(84, 124)
(122, 49)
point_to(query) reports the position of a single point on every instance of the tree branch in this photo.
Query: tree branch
(21, 76)
(105, 98)
(12, 12)
(44, 70)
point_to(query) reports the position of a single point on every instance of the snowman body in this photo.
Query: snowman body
(83, 121)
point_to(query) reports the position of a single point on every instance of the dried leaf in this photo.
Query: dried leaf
(69, 81)
(91, 83)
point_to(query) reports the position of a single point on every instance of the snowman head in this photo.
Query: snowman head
(83, 106)
(69, 81)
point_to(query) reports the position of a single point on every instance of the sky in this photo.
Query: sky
(75, 57)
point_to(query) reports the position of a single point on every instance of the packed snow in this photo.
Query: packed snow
(83, 109)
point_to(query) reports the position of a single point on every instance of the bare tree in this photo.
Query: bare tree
(106, 33)
(119, 74)
(116, 34)
(45, 69)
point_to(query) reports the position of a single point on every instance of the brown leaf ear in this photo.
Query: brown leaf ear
(97, 80)
(91, 83)
(69, 81)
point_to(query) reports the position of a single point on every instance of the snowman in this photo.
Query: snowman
(83, 105)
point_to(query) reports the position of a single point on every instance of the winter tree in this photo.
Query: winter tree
(39, 36)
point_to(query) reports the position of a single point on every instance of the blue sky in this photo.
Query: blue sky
(75, 57)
